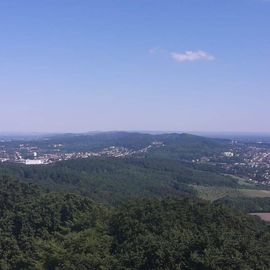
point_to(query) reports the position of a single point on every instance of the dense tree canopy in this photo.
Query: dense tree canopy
(111, 180)
(46, 230)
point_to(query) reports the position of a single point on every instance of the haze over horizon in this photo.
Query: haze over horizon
(189, 65)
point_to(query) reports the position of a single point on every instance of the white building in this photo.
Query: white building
(33, 161)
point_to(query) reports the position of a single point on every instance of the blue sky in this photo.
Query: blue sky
(172, 65)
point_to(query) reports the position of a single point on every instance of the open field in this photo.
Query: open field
(255, 193)
(263, 216)
(241, 181)
(215, 193)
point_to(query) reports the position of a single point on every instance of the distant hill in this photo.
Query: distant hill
(187, 146)
(175, 146)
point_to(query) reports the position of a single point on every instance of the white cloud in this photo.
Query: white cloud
(192, 56)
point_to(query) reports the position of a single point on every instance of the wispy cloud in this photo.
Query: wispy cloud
(156, 50)
(191, 56)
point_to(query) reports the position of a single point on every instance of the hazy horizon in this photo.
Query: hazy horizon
(136, 131)
(188, 65)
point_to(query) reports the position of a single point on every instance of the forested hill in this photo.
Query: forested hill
(43, 230)
(111, 180)
(187, 147)
(132, 140)
(174, 145)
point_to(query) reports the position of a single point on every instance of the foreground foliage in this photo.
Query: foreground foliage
(44, 230)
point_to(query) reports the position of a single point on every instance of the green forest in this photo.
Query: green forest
(112, 180)
(47, 230)
(128, 213)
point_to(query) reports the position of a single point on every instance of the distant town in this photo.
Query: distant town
(30, 154)
(250, 161)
